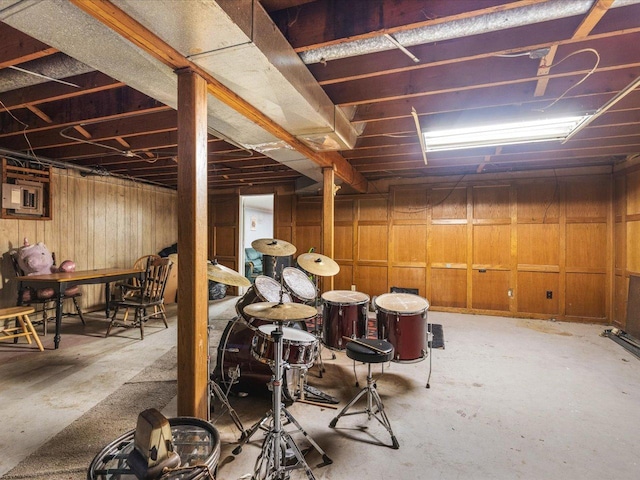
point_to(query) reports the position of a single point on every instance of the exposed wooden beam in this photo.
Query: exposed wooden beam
(82, 131)
(71, 111)
(596, 12)
(475, 79)
(119, 21)
(52, 91)
(17, 47)
(518, 40)
(39, 113)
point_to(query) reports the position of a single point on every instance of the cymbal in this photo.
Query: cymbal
(221, 274)
(317, 264)
(276, 311)
(271, 246)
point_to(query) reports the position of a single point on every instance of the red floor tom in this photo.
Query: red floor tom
(344, 313)
(402, 321)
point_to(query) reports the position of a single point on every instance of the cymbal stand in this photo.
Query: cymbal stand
(318, 333)
(278, 447)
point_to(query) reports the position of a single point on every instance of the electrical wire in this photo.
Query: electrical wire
(593, 69)
(124, 153)
(24, 133)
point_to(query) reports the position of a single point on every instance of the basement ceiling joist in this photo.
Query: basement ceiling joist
(466, 76)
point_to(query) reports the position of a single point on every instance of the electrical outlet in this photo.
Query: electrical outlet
(510, 292)
(549, 294)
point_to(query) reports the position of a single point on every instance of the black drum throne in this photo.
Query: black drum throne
(369, 351)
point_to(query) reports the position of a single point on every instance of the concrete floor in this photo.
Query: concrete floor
(509, 398)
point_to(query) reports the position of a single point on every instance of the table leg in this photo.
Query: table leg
(59, 302)
(107, 298)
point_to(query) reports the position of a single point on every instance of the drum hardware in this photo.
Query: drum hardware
(196, 441)
(216, 390)
(369, 351)
(319, 266)
(317, 330)
(278, 447)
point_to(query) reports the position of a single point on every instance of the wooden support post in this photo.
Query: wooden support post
(193, 375)
(328, 206)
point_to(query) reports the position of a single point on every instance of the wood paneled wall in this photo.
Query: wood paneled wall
(98, 222)
(626, 208)
(495, 248)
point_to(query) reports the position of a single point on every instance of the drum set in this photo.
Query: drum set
(267, 346)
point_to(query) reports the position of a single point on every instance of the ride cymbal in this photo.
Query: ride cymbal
(273, 247)
(317, 264)
(221, 274)
(276, 311)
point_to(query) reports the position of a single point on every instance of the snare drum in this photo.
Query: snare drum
(344, 313)
(234, 352)
(299, 348)
(265, 289)
(402, 320)
(298, 284)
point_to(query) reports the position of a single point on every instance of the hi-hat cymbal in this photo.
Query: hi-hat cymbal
(221, 274)
(317, 264)
(271, 246)
(276, 311)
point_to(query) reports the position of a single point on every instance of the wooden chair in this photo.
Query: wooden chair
(28, 296)
(130, 288)
(148, 296)
(23, 328)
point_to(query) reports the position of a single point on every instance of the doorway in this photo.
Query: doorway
(256, 218)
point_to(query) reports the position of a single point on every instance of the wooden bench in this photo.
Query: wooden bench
(21, 314)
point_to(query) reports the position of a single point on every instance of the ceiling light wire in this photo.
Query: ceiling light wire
(588, 74)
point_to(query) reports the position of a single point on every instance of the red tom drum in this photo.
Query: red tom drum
(299, 348)
(344, 313)
(402, 321)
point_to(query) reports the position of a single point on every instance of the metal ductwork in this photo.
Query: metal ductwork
(234, 40)
(43, 70)
(490, 22)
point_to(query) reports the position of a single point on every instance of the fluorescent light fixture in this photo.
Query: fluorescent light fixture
(541, 130)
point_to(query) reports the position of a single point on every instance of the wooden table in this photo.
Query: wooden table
(63, 280)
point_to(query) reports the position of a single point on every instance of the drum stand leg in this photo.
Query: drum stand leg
(224, 399)
(276, 459)
(429, 352)
(318, 333)
(372, 397)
